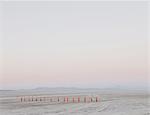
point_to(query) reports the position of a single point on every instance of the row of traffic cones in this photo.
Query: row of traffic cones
(65, 99)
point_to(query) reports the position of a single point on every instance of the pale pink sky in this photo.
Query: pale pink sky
(74, 44)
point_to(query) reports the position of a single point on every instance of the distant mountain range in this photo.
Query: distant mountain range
(72, 89)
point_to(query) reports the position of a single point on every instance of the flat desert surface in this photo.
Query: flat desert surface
(109, 103)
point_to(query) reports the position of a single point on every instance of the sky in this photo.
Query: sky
(74, 44)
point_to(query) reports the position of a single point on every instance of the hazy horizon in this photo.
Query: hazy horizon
(74, 44)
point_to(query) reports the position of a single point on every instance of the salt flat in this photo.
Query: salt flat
(111, 103)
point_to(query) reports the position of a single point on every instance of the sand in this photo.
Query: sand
(110, 103)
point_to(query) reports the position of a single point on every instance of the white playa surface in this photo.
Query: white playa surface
(111, 103)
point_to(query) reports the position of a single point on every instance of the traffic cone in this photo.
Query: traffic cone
(96, 99)
(78, 99)
(67, 99)
(85, 99)
(91, 99)
(64, 99)
(73, 99)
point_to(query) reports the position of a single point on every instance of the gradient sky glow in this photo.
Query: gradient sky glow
(74, 44)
